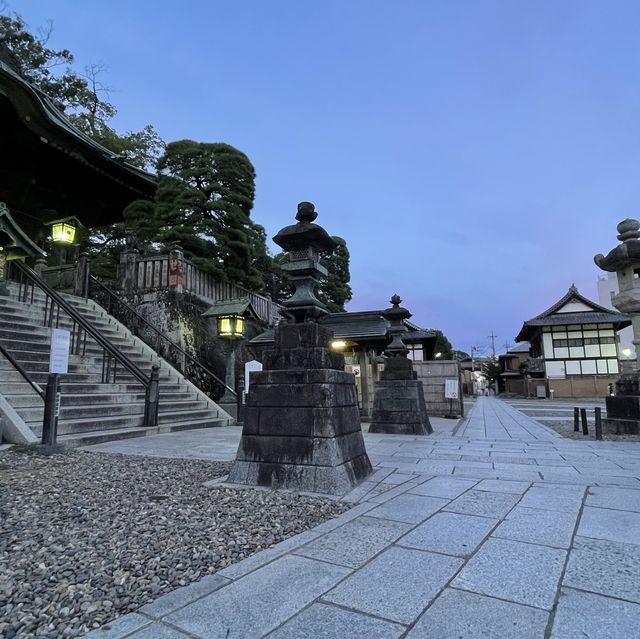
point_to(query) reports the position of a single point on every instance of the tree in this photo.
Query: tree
(442, 346)
(81, 96)
(491, 369)
(203, 203)
(335, 291)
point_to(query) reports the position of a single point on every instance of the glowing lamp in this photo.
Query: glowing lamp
(230, 325)
(438, 355)
(64, 231)
(338, 344)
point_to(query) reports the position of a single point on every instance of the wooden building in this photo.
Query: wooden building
(575, 341)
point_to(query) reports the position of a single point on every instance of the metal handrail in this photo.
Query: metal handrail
(149, 382)
(113, 296)
(21, 370)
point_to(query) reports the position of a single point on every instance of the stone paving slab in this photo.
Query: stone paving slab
(604, 567)
(356, 542)
(511, 570)
(260, 601)
(408, 508)
(582, 614)
(618, 498)
(483, 503)
(443, 487)
(322, 621)
(122, 627)
(498, 502)
(183, 596)
(464, 615)
(449, 533)
(397, 585)
(537, 526)
(614, 525)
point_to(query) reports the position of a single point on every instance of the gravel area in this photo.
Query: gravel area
(565, 428)
(86, 538)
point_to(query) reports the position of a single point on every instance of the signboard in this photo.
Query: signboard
(451, 390)
(59, 355)
(249, 368)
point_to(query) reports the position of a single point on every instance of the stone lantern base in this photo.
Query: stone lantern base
(301, 424)
(398, 404)
(623, 409)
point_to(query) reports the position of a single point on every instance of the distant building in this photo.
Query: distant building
(574, 349)
(607, 288)
(515, 364)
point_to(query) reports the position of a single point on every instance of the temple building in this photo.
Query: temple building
(574, 347)
(49, 169)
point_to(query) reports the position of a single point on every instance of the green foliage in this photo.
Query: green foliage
(79, 95)
(443, 346)
(203, 203)
(335, 291)
(490, 369)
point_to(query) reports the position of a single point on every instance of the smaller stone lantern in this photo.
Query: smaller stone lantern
(623, 408)
(398, 404)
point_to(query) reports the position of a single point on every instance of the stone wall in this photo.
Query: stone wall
(433, 374)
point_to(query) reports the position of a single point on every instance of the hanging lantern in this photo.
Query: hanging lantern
(63, 233)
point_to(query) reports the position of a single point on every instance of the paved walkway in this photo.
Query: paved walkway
(500, 529)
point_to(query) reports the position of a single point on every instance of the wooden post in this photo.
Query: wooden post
(363, 360)
(583, 416)
(176, 271)
(598, 412)
(576, 419)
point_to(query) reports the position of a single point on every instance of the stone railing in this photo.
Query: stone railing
(175, 273)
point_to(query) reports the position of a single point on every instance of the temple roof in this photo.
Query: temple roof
(360, 326)
(571, 309)
(48, 165)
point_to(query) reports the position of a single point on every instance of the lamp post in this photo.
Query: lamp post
(63, 234)
(231, 330)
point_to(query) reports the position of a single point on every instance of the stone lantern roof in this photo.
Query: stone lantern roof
(624, 254)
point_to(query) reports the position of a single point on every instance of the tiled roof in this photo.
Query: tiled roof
(359, 326)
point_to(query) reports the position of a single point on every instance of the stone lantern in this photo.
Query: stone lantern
(623, 409)
(302, 424)
(398, 403)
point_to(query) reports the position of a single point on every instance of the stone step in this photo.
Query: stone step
(80, 425)
(72, 411)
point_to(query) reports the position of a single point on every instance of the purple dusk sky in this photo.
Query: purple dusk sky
(475, 154)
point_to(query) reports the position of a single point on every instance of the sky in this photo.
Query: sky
(475, 154)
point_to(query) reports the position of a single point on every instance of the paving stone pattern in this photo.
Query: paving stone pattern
(498, 528)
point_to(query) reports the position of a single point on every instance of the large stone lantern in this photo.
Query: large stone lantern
(302, 424)
(398, 403)
(623, 409)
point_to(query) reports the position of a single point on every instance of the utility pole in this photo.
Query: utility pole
(507, 346)
(493, 343)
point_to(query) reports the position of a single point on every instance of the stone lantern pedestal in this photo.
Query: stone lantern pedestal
(623, 408)
(398, 402)
(301, 424)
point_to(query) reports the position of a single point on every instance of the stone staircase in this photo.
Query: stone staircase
(91, 411)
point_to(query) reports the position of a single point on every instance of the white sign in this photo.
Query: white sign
(451, 390)
(59, 356)
(249, 368)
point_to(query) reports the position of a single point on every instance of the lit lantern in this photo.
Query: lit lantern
(231, 326)
(63, 233)
(338, 344)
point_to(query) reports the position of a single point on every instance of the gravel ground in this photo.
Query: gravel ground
(86, 538)
(565, 428)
